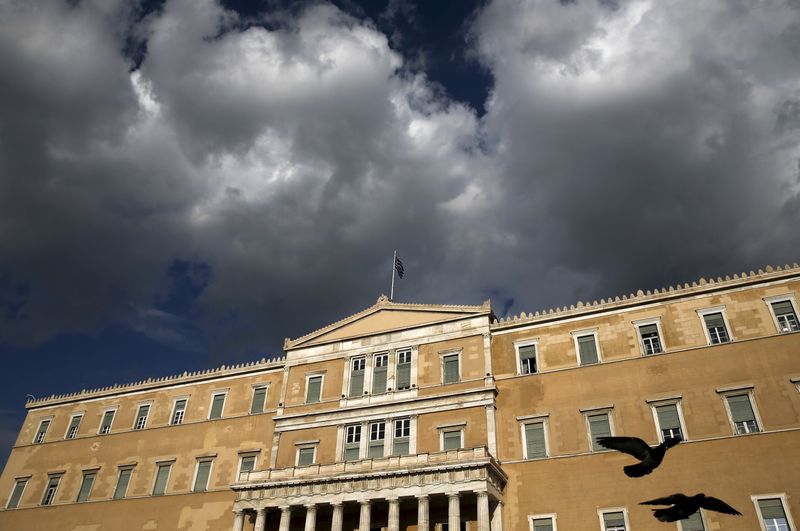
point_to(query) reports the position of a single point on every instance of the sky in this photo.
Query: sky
(184, 183)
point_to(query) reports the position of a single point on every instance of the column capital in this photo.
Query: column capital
(422, 496)
(261, 510)
(481, 492)
(337, 503)
(453, 494)
(365, 502)
(392, 499)
(238, 510)
(310, 505)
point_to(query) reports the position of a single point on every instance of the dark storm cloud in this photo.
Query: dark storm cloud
(623, 146)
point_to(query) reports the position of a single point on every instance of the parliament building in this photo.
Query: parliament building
(439, 417)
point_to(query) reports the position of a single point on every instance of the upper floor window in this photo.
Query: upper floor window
(352, 442)
(51, 489)
(141, 417)
(380, 368)
(403, 372)
(402, 433)
(741, 412)
(649, 336)
(202, 474)
(599, 424)
(772, 513)
(42, 431)
(313, 388)
(693, 523)
(668, 420)
(86, 486)
(162, 478)
(526, 357)
(784, 313)
(16, 494)
(534, 440)
(614, 520)
(74, 424)
(107, 421)
(451, 369)
(259, 399)
(543, 522)
(178, 411)
(247, 462)
(358, 367)
(715, 325)
(306, 455)
(217, 405)
(123, 480)
(452, 438)
(377, 439)
(586, 347)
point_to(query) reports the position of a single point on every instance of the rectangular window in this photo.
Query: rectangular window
(72, 429)
(451, 439)
(599, 426)
(614, 521)
(773, 514)
(669, 422)
(86, 486)
(217, 404)
(542, 524)
(313, 388)
(123, 480)
(380, 367)
(403, 369)
(352, 442)
(450, 369)
(141, 417)
(651, 342)
(785, 316)
(16, 494)
(202, 475)
(305, 456)
(377, 437)
(402, 433)
(108, 420)
(742, 414)
(715, 325)
(535, 447)
(162, 477)
(178, 411)
(587, 349)
(259, 399)
(693, 523)
(41, 432)
(247, 463)
(527, 359)
(50, 490)
(357, 368)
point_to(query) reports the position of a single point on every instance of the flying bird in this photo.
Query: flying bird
(650, 457)
(685, 506)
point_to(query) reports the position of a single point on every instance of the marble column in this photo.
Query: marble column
(423, 524)
(261, 519)
(394, 514)
(483, 511)
(238, 520)
(311, 517)
(453, 512)
(286, 516)
(363, 518)
(497, 517)
(336, 522)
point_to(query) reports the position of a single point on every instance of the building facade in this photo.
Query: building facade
(432, 418)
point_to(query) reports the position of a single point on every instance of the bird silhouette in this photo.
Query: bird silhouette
(650, 457)
(685, 506)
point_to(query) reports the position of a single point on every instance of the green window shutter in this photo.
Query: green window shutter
(782, 308)
(543, 524)
(400, 446)
(376, 448)
(599, 427)
(646, 330)
(122, 483)
(201, 480)
(356, 380)
(216, 406)
(16, 495)
(403, 375)
(86, 487)
(259, 397)
(714, 320)
(588, 350)
(772, 508)
(314, 387)
(379, 380)
(668, 417)
(105, 424)
(534, 440)
(305, 457)
(451, 368)
(614, 520)
(452, 440)
(527, 352)
(741, 410)
(161, 480)
(351, 453)
(693, 523)
(248, 463)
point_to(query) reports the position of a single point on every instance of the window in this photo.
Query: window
(614, 521)
(693, 523)
(451, 438)
(543, 522)
(534, 440)
(742, 414)
(247, 463)
(72, 429)
(313, 388)
(352, 442)
(785, 316)
(599, 426)
(668, 421)
(42, 431)
(586, 346)
(201, 475)
(16, 493)
(50, 490)
(141, 417)
(450, 369)
(217, 405)
(377, 438)
(162, 477)
(772, 513)
(357, 368)
(178, 411)
(402, 433)
(124, 478)
(86, 486)
(380, 367)
(108, 420)
(259, 399)
(306, 455)
(526, 357)
(403, 375)
(715, 326)
(649, 337)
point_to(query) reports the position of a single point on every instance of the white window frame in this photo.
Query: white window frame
(253, 388)
(459, 426)
(71, 417)
(120, 468)
(391, 423)
(748, 390)
(361, 440)
(782, 496)
(715, 309)
(172, 411)
(159, 464)
(18, 479)
(535, 419)
(149, 403)
(639, 323)
(55, 491)
(446, 354)
(786, 297)
(668, 402)
(215, 394)
(608, 410)
(412, 370)
(203, 459)
(95, 471)
(702, 514)
(375, 356)
(623, 510)
(242, 455)
(306, 446)
(527, 343)
(582, 333)
(111, 424)
(310, 375)
(367, 376)
(551, 516)
(49, 420)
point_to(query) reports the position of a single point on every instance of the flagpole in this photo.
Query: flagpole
(394, 261)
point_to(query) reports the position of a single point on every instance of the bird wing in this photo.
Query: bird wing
(666, 500)
(629, 445)
(718, 505)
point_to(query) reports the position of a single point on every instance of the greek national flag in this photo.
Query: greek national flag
(398, 266)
